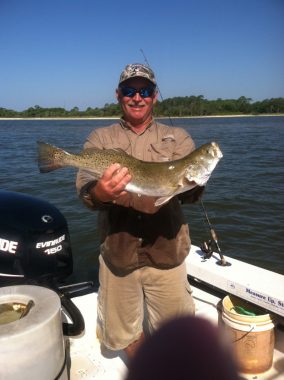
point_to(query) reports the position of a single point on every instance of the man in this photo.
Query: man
(143, 247)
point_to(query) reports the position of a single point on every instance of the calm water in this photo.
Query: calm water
(244, 197)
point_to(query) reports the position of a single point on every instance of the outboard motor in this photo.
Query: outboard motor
(35, 260)
(34, 240)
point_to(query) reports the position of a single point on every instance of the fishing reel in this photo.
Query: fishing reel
(207, 248)
(210, 246)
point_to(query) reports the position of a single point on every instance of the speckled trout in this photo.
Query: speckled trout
(161, 180)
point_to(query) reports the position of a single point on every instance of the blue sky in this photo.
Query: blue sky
(67, 53)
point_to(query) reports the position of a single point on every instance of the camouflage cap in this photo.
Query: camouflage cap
(137, 70)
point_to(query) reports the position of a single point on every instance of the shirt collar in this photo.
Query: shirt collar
(125, 125)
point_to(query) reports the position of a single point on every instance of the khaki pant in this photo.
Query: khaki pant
(162, 294)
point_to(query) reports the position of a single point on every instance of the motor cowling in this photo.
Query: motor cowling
(34, 240)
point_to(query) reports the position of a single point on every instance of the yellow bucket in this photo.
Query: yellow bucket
(252, 335)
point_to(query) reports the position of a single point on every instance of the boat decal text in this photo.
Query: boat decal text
(274, 302)
(52, 246)
(257, 297)
(9, 246)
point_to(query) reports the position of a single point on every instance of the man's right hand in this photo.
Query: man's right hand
(111, 185)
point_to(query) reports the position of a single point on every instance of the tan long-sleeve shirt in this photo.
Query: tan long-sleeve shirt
(133, 234)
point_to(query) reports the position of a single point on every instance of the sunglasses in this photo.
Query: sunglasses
(130, 92)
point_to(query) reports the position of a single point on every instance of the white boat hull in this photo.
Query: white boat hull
(88, 361)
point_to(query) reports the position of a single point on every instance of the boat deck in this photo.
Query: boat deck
(210, 283)
(88, 361)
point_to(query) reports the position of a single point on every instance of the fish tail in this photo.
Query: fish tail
(47, 157)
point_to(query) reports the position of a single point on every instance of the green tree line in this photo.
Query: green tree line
(174, 107)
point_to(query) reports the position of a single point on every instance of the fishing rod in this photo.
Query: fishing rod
(159, 91)
(207, 247)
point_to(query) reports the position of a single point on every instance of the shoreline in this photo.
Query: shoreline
(117, 117)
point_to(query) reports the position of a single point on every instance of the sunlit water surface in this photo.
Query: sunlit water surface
(244, 197)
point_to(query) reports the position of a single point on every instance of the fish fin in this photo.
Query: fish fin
(119, 150)
(111, 150)
(180, 189)
(46, 157)
(162, 200)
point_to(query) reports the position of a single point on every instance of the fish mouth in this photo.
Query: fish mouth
(219, 154)
(216, 150)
